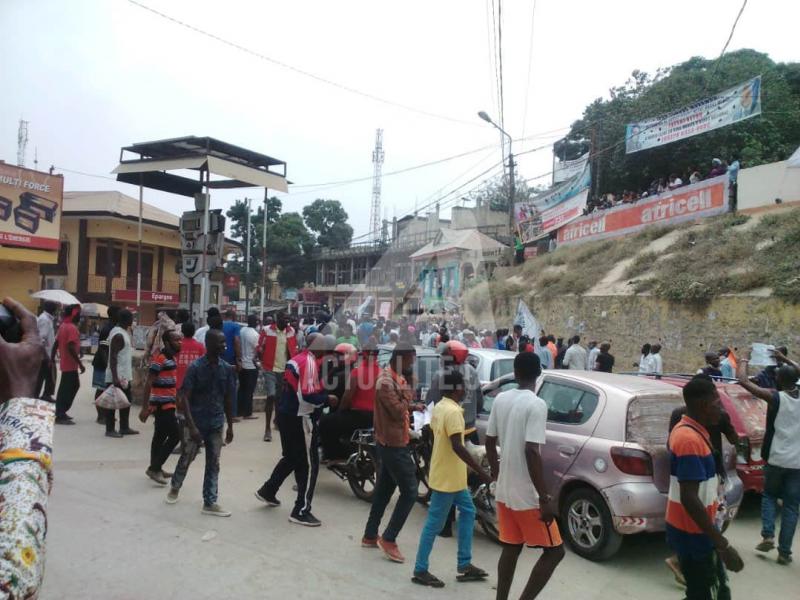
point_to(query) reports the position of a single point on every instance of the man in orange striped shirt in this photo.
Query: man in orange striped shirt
(160, 398)
(703, 553)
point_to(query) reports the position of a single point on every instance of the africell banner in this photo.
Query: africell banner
(549, 211)
(731, 106)
(704, 199)
(30, 208)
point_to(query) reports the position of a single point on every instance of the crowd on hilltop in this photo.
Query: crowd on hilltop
(660, 185)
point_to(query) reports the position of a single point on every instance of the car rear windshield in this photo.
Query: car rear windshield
(501, 367)
(648, 419)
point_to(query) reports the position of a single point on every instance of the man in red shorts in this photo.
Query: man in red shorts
(525, 510)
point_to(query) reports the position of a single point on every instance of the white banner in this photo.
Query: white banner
(530, 326)
(564, 169)
(731, 106)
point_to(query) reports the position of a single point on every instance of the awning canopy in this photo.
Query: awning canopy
(239, 167)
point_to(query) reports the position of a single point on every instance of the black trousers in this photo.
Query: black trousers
(299, 455)
(166, 435)
(705, 576)
(248, 378)
(338, 426)
(124, 414)
(67, 389)
(45, 380)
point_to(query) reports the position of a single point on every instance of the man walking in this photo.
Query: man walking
(656, 362)
(591, 356)
(248, 376)
(206, 398)
(120, 372)
(393, 402)
(233, 352)
(448, 482)
(543, 352)
(100, 360)
(298, 411)
(525, 510)
(605, 360)
(46, 324)
(67, 344)
(276, 345)
(575, 356)
(160, 399)
(703, 553)
(782, 452)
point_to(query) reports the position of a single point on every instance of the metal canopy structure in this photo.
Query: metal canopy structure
(237, 166)
(233, 166)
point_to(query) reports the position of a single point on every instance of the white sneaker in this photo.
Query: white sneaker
(172, 496)
(215, 510)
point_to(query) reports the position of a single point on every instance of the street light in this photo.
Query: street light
(512, 183)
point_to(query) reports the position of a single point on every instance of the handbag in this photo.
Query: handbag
(113, 398)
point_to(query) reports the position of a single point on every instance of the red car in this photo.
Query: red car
(749, 418)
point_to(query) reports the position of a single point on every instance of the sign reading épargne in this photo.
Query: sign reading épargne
(30, 208)
(703, 199)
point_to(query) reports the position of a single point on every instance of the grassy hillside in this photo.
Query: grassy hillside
(692, 263)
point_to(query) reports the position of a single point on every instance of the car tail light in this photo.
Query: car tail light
(742, 451)
(632, 461)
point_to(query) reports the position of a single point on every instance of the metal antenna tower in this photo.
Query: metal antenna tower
(375, 210)
(22, 142)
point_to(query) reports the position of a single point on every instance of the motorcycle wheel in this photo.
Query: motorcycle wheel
(424, 491)
(362, 476)
(490, 529)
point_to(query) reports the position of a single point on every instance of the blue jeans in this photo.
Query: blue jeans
(780, 483)
(397, 470)
(439, 508)
(212, 440)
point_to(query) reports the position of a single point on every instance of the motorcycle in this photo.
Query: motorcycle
(361, 468)
(483, 494)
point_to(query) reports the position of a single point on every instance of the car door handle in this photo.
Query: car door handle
(568, 450)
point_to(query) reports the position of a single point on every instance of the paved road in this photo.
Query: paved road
(112, 537)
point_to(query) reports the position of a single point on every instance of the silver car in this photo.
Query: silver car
(491, 363)
(606, 458)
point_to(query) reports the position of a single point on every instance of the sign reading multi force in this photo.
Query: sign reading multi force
(703, 199)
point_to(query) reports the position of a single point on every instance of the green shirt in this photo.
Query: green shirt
(348, 340)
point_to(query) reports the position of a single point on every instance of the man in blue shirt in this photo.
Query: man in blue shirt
(233, 349)
(206, 398)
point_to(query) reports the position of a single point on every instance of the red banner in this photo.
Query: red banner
(703, 199)
(148, 297)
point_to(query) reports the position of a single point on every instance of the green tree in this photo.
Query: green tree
(328, 219)
(496, 191)
(772, 136)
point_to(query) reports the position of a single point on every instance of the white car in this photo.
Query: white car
(491, 363)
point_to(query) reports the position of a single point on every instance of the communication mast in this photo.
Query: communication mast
(375, 210)
(22, 142)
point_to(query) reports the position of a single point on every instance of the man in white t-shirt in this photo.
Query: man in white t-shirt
(525, 511)
(248, 376)
(575, 356)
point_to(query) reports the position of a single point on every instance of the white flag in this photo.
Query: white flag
(530, 325)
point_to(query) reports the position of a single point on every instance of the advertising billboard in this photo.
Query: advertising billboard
(703, 199)
(30, 208)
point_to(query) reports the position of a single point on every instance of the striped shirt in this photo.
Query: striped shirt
(691, 459)
(162, 391)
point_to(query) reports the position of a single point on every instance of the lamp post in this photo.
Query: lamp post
(512, 182)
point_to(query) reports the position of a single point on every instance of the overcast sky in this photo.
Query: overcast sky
(93, 75)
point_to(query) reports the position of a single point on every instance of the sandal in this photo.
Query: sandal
(471, 573)
(425, 578)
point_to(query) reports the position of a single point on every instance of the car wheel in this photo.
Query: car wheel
(586, 522)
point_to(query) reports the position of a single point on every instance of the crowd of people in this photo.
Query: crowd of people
(663, 184)
(323, 381)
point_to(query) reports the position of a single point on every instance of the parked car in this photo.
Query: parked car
(491, 363)
(428, 361)
(749, 419)
(606, 458)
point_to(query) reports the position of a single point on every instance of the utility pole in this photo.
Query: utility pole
(512, 193)
(247, 263)
(22, 142)
(264, 255)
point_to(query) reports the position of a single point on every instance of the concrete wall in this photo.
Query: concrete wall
(685, 333)
(759, 186)
(19, 279)
(464, 217)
